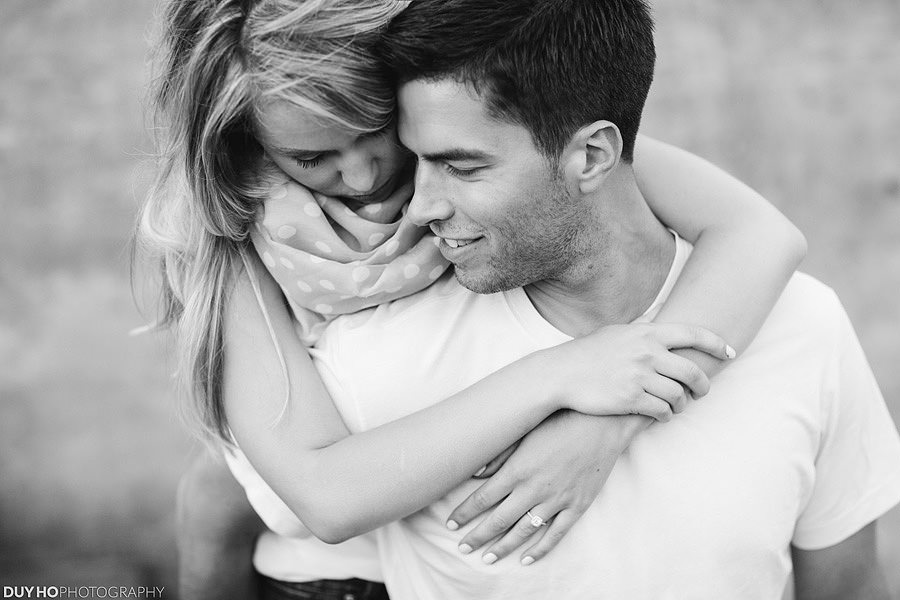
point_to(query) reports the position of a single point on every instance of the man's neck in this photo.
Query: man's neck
(618, 279)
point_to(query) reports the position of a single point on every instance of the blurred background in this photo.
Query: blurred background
(799, 99)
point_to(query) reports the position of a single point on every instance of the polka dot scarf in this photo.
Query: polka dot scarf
(330, 260)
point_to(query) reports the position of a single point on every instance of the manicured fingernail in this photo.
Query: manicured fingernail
(480, 471)
(465, 548)
(729, 352)
(527, 561)
(452, 525)
(489, 558)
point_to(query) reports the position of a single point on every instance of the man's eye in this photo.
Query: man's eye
(462, 172)
(308, 163)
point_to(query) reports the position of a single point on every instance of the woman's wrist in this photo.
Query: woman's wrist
(614, 432)
(540, 378)
(625, 428)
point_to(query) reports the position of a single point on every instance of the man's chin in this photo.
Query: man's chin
(482, 281)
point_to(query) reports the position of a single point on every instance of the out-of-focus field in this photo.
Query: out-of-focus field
(799, 99)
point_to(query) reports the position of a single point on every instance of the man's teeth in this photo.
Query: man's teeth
(457, 243)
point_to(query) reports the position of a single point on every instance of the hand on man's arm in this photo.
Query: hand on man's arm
(556, 471)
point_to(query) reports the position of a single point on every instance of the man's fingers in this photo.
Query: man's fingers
(526, 528)
(487, 495)
(683, 371)
(691, 336)
(548, 540)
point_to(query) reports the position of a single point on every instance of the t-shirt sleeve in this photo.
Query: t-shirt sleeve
(857, 469)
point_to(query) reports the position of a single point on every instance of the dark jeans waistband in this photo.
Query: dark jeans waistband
(322, 589)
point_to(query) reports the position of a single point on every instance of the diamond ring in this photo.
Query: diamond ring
(536, 521)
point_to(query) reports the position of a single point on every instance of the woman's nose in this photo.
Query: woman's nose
(360, 172)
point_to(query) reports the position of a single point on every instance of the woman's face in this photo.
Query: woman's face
(328, 158)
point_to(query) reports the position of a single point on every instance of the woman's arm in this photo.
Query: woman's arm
(294, 453)
(342, 485)
(744, 249)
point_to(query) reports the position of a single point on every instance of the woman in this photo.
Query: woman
(295, 84)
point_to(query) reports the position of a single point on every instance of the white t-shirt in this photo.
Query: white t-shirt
(289, 552)
(793, 445)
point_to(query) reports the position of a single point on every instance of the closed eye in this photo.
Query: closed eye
(308, 163)
(462, 172)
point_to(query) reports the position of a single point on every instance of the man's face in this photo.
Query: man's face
(501, 210)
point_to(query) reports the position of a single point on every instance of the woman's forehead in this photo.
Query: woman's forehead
(289, 126)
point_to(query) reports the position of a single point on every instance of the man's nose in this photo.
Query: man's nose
(429, 202)
(360, 171)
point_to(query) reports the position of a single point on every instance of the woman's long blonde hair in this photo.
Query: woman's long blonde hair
(219, 62)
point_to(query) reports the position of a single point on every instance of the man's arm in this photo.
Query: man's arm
(849, 569)
(216, 534)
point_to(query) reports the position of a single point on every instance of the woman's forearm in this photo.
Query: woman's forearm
(342, 485)
(403, 466)
(731, 282)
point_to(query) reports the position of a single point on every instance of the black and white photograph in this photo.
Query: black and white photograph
(450, 300)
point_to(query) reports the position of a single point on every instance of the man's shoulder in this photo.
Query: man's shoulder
(804, 293)
(808, 312)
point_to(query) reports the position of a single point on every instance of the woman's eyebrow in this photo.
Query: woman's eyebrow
(292, 152)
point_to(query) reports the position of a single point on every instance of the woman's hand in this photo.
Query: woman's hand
(555, 473)
(631, 369)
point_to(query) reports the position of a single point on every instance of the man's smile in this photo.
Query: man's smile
(455, 248)
(457, 243)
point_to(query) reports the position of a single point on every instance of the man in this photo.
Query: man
(785, 465)
(524, 142)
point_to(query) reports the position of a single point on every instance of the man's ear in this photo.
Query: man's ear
(591, 155)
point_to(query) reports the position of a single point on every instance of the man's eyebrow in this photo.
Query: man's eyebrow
(457, 154)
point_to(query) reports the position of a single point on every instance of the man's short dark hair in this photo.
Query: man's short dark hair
(552, 66)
